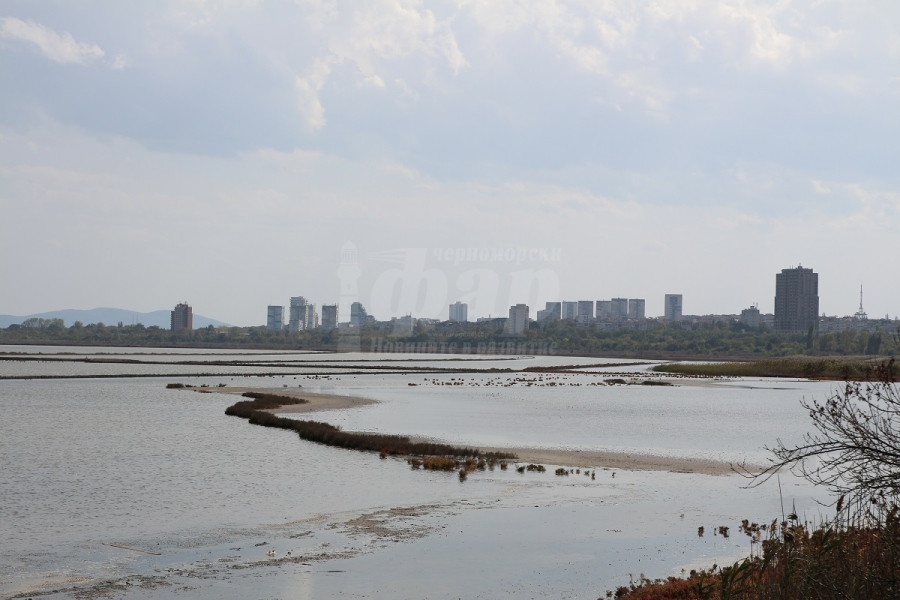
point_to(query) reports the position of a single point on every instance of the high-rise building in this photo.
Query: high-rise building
(585, 309)
(604, 309)
(459, 312)
(349, 272)
(517, 324)
(618, 308)
(329, 316)
(358, 314)
(182, 317)
(796, 300)
(309, 317)
(303, 315)
(275, 318)
(551, 312)
(673, 307)
(751, 317)
(569, 310)
(636, 308)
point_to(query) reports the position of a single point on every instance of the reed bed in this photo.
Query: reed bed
(809, 368)
(255, 411)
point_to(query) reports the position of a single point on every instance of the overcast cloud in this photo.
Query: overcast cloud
(222, 152)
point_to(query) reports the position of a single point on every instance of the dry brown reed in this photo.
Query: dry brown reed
(255, 411)
(810, 368)
(850, 558)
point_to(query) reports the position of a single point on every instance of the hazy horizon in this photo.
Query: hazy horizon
(224, 153)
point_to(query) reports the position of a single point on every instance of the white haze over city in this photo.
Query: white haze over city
(223, 152)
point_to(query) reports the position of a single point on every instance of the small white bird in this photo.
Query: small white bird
(270, 553)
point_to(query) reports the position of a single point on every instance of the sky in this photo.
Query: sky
(224, 152)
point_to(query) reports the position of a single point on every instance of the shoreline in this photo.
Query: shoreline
(564, 458)
(619, 460)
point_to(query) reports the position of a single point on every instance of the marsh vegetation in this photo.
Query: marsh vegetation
(256, 411)
(799, 367)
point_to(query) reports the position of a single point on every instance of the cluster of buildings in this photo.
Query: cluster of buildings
(301, 315)
(610, 314)
(796, 310)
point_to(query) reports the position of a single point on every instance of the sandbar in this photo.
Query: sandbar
(618, 460)
(565, 458)
(317, 400)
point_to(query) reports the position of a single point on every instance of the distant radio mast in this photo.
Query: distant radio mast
(861, 314)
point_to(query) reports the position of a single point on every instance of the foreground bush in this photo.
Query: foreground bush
(849, 561)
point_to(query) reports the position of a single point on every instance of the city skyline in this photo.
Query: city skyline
(304, 315)
(796, 307)
(226, 152)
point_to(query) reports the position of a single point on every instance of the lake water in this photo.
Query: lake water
(122, 487)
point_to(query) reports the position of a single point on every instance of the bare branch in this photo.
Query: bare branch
(854, 447)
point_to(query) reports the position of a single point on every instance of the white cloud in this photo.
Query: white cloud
(877, 206)
(119, 62)
(308, 88)
(820, 187)
(61, 48)
(633, 44)
(404, 170)
(374, 36)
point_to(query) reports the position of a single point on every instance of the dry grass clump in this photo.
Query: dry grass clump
(531, 467)
(439, 463)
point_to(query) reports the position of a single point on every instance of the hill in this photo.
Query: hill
(109, 316)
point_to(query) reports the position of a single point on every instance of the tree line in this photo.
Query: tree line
(715, 340)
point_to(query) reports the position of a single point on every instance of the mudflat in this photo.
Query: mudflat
(567, 458)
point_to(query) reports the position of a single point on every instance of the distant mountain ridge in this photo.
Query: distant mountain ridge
(110, 316)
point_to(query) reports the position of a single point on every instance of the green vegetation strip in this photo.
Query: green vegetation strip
(826, 368)
(255, 411)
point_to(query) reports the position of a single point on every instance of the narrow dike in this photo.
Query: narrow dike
(256, 411)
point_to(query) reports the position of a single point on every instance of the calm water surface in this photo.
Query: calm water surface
(91, 464)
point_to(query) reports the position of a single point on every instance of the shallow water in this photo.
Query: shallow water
(726, 421)
(157, 362)
(93, 462)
